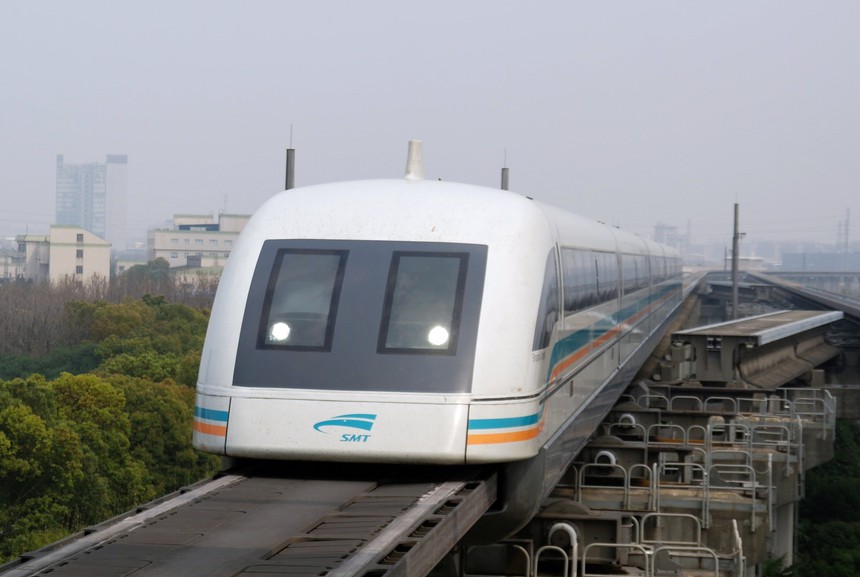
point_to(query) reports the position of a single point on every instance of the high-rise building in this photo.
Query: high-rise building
(93, 197)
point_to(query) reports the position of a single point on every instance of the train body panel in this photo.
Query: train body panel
(400, 321)
(505, 430)
(211, 413)
(401, 211)
(349, 431)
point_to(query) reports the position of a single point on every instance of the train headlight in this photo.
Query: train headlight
(279, 332)
(437, 336)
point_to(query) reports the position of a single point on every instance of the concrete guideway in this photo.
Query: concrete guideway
(246, 525)
(689, 481)
(764, 351)
(686, 477)
(35, 562)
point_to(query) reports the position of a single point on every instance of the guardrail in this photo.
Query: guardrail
(761, 402)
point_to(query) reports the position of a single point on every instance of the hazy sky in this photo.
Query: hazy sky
(626, 112)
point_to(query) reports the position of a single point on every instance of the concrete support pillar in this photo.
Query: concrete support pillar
(786, 517)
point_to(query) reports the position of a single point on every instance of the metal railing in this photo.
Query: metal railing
(646, 551)
(816, 405)
(709, 480)
(569, 561)
(660, 557)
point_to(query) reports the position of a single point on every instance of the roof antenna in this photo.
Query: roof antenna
(415, 161)
(505, 171)
(290, 178)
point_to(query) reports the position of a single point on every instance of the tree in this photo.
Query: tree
(80, 449)
(152, 277)
(76, 449)
(829, 530)
(161, 416)
(146, 364)
(80, 358)
(95, 410)
(40, 467)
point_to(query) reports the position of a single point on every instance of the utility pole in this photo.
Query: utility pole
(842, 238)
(735, 244)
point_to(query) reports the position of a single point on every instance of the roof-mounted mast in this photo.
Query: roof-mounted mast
(415, 161)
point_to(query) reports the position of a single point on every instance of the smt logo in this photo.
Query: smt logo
(360, 421)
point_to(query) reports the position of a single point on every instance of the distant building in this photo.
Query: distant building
(93, 196)
(9, 265)
(65, 252)
(666, 234)
(821, 261)
(669, 235)
(196, 241)
(121, 265)
(748, 263)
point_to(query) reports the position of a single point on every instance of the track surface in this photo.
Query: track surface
(253, 525)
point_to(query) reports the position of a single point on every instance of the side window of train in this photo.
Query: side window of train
(607, 275)
(300, 304)
(658, 269)
(590, 278)
(548, 310)
(580, 279)
(634, 268)
(423, 303)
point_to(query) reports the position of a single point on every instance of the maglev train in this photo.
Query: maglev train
(425, 322)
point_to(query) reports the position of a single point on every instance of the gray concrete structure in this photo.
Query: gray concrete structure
(681, 480)
(764, 351)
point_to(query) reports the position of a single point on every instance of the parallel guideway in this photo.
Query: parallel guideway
(245, 525)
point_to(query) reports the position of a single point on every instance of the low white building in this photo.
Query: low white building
(65, 252)
(747, 263)
(196, 240)
(121, 265)
(10, 267)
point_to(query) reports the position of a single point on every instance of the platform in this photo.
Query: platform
(764, 351)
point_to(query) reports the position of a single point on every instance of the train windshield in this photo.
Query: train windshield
(362, 315)
(301, 301)
(422, 303)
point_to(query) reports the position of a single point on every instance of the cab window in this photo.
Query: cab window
(423, 301)
(301, 299)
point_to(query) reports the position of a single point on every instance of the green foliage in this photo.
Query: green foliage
(831, 548)
(829, 531)
(149, 338)
(147, 364)
(40, 465)
(161, 417)
(81, 358)
(152, 277)
(839, 477)
(77, 450)
(107, 427)
(775, 567)
(189, 366)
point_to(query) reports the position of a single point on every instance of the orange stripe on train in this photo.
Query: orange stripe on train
(206, 428)
(569, 360)
(495, 438)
